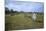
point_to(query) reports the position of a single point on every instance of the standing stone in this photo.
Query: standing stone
(34, 16)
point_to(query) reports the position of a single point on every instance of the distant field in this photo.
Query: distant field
(23, 21)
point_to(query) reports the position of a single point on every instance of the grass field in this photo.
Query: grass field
(23, 21)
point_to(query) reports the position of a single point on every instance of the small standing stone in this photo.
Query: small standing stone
(34, 16)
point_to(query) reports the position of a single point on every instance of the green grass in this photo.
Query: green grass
(22, 21)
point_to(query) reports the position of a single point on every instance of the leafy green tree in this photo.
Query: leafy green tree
(21, 11)
(12, 11)
(7, 10)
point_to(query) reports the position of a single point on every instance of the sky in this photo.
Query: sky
(26, 6)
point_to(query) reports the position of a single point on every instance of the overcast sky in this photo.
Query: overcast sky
(26, 6)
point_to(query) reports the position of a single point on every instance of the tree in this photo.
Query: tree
(22, 11)
(12, 11)
(16, 11)
(7, 10)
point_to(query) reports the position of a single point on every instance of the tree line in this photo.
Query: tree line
(7, 11)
